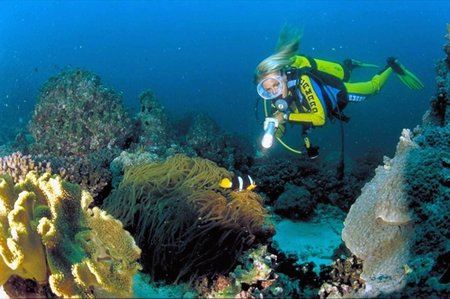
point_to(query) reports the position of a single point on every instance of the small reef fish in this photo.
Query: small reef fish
(238, 183)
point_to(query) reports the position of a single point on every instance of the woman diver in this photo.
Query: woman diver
(308, 91)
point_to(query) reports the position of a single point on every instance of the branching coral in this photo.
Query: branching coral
(186, 224)
(90, 172)
(18, 165)
(49, 233)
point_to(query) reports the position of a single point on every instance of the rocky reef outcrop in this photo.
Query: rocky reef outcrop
(76, 115)
(398, 227)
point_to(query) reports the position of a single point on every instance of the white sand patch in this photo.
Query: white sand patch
(312, 241)
(3, 293)
(143, 289)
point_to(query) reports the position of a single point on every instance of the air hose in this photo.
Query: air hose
(266, 113)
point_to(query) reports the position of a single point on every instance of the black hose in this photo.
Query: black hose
(341, 167)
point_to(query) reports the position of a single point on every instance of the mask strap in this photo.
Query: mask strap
(292, 77)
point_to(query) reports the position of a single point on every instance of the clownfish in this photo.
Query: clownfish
(238, 183)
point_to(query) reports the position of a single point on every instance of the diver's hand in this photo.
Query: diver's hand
(313, 152)
(279, 116)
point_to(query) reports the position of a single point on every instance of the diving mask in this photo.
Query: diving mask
(270, 88)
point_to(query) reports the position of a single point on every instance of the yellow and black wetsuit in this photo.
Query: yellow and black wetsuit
(320, 90)
(320, 84)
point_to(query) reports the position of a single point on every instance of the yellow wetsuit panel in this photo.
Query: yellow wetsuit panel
(369, 87)
(316, 113)
(331, 68)
(300, 61)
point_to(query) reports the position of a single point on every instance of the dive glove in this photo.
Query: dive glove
(312, 151)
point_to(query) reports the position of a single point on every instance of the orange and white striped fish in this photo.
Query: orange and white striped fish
(238, 183)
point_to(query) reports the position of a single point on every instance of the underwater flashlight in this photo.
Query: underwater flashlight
(270, 126)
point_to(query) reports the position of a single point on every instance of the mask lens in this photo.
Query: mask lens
(270, 88)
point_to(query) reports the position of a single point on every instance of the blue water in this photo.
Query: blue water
(200, 55)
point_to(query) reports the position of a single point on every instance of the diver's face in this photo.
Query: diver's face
(275, 84)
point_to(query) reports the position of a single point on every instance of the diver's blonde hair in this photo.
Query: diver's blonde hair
(287, 46)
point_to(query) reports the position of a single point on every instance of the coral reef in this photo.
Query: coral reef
(273, 174)
(76, 115)
(17, 287)
(18, 165)
(50, 235)
(439, 112)
(209, 141)
(398, 226)
(254, 277)
(89, 172)
(127, 159)
(295, 203)
(343, 279)
(186, 224)
(317, 177)
(79, 125)
(154, 126)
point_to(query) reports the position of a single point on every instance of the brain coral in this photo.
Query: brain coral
(76, 114)
(186, 225)
(49, 234)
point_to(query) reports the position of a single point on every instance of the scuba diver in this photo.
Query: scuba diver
(309, 91)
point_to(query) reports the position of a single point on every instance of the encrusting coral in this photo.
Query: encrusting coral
(379, 227)
(50, 234)
(185, 223)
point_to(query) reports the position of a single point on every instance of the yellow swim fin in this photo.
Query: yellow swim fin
(406, 76)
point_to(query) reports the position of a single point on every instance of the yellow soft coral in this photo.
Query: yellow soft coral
(111, 265)
(20, 246)
(47, 227)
